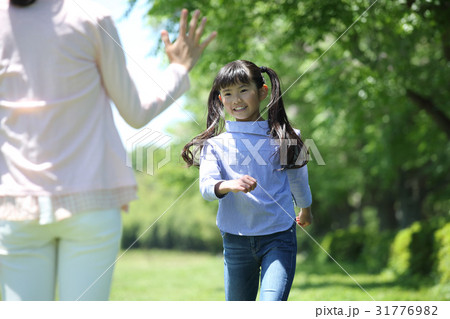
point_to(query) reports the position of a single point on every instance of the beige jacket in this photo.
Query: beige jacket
(60, 65)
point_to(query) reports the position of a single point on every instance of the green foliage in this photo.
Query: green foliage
(375, 253)
(400, 259)
(442, 237)
(169, 214)
(373, 98)
(412, 250)
(344, 244)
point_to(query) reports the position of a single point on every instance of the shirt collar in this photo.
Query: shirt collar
(257, 127)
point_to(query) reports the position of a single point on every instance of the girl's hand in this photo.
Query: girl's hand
(305, 217)
(187, 49)
(244, 184)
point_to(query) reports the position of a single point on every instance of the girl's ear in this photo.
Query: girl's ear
(220, 98)
(263, 91)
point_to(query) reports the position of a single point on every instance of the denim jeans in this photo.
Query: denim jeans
(246, 257)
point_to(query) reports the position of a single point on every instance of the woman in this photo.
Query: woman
(63, 173)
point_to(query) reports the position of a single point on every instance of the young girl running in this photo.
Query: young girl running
(257, 170)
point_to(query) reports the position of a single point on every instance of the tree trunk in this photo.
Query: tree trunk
(384, 202)
(386, 212)
(411, 196)
(426, 104)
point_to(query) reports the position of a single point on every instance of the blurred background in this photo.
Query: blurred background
(371, 90)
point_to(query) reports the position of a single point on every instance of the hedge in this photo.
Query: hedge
(412, 253)
(375, 254)
(442, 240)
(343, 245)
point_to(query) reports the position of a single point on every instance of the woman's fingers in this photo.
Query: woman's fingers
(165, 38)
(193, 25)
(183, 23)
(208, 40)
(187, 49)
(199, 31)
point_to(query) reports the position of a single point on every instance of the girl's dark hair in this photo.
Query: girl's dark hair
(292, 149)
(21, 3)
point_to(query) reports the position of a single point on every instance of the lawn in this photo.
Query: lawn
(174, 275)
(168, 275)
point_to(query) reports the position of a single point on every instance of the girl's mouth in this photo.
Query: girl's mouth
(240, 108)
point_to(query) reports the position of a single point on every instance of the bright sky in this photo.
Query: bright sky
(138, 39)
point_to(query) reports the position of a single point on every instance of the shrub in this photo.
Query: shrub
(442, 240)
(375, 253)
(162, 218)
(343, 245)
(412, 250)
(129, 235)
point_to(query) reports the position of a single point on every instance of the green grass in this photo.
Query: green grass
(330, 283)
(165, 275)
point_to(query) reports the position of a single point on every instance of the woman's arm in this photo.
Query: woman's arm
(138, 109)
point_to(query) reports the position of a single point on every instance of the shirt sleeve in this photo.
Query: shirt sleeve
(136, 110)
(210, 172)
(298, 181)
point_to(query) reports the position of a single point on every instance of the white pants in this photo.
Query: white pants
(78, 253)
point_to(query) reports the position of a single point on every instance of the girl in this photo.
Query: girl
(254, 169)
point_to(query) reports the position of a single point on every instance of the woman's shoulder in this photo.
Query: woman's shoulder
(97, 12)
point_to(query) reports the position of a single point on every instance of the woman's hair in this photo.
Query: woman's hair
(246, 72)
(21, 3)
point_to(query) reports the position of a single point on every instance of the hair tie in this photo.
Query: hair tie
(263, 69)
(22, 3)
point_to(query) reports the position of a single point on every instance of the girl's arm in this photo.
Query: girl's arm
(244, 184)
(305, 217)
(299, 184)
(212, 184)
(298, 181)
(210, 172)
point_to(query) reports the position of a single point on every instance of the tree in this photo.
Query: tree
(369, 87)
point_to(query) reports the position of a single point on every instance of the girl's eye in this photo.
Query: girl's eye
(244, 90)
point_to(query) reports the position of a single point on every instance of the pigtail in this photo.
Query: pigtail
(214, 126)
(293, 152)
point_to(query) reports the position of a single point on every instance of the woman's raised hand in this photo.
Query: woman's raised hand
(187, 49)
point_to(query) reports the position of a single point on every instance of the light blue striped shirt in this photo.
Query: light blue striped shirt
(247, 149)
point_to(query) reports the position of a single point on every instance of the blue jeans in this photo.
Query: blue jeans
(245, 257)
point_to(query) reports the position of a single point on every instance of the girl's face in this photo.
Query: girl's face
(242, 101)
